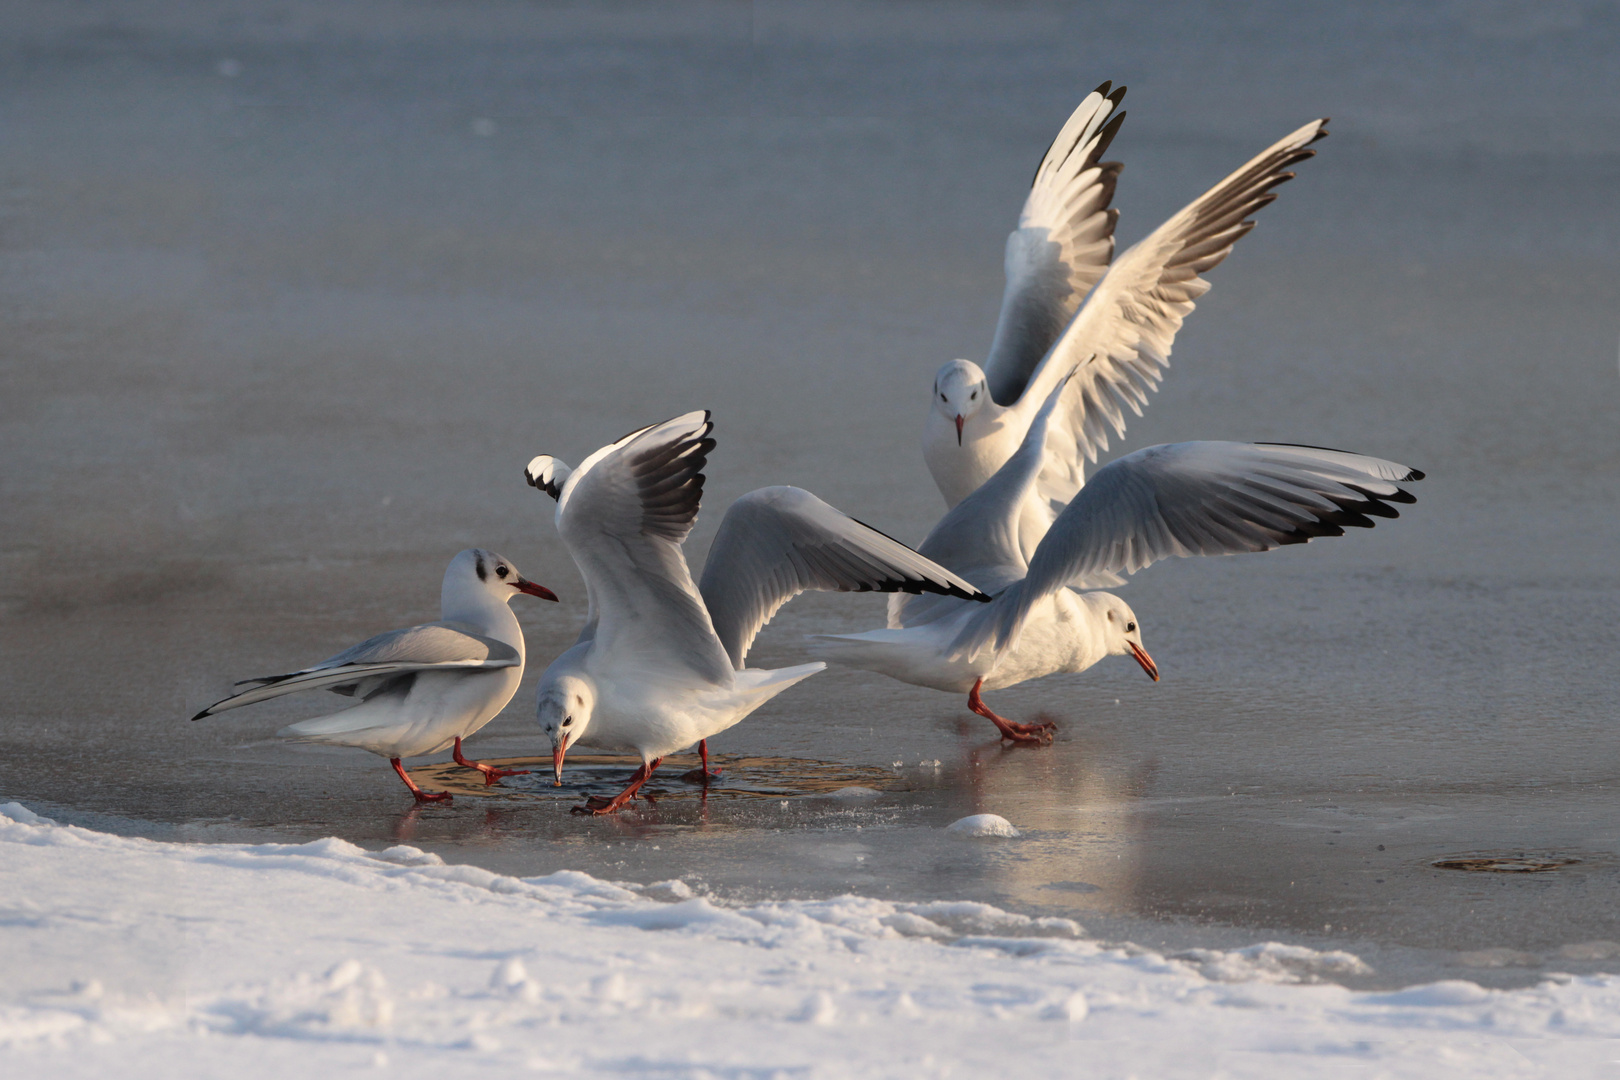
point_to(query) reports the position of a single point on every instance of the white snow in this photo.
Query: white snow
(139, 959)
(983, 825)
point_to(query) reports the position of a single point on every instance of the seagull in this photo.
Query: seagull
(660, 663)
(425, 687)
(1180, 499)
(1118, 343)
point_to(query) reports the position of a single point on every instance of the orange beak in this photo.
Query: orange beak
(1145, 660)
(958, 430)
(557, 760)
(524, 585)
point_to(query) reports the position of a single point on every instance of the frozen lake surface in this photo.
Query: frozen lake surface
(290, 296)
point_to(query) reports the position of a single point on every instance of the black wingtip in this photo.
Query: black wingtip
(202, 714)
(1416, 474)
(1105, 138)
(550, 487)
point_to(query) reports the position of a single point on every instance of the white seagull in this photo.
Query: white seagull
(425, 687)
(1192, 498)
(1118, 344)
(659, 664)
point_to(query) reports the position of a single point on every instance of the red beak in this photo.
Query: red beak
(1145, 660)
(958, 430)
(524, 585)
(557, 760)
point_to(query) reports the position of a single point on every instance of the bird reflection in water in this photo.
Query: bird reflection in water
(1077, 803)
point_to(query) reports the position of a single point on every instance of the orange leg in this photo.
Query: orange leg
(1022, 734)
(491, 773)
(701, 775)
(421, 796)
(598, 805)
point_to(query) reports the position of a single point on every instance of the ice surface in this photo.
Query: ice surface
(153, 959)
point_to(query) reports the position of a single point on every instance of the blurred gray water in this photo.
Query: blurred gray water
(290, 292)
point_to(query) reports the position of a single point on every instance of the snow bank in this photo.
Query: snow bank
(134, 958)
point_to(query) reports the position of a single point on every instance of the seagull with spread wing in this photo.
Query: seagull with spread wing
(659, 665)
(423, 688)
(1117, 345)
(1182, 499)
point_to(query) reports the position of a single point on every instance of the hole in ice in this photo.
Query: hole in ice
(1505, 864)
(607, 774)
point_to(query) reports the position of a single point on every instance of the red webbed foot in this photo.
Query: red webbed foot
(491, 773)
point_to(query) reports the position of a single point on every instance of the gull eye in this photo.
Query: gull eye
(568, 721)
(973, 396)
(1129, 627)
(501, 571)
(942, 396)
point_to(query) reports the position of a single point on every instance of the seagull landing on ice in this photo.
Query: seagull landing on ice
(659, 664)
(423, 688)
(1193, 498)
(1118, 343)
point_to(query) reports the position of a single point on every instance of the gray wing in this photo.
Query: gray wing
(429, 647)
(1121, 339)
(1195, 498)
(623, 515)
(778, 542)
(1062, 246)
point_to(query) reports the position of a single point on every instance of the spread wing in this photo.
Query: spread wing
(623, 515)
(429, 647)
(1120, 341)
(778, 542)
(1195, 498)
(1062, 246)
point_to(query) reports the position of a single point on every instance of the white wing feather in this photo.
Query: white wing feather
(1062, 245)
(1120, 340)
(623, 515)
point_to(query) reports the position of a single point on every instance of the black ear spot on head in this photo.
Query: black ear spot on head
(483, 575)
(1110, 616)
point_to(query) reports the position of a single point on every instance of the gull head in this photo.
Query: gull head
(476, 570)
(564, 712)
(1120, 630)
(959, 392)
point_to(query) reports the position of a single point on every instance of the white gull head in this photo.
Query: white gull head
(1120, 632)
(475, 578)
(960, 391)
(564, 709)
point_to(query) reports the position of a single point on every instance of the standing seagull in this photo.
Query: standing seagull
(425, 687)
(1117, 344)
(659, 664)
(1192, 498)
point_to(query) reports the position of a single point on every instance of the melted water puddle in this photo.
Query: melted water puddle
(607, 774)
